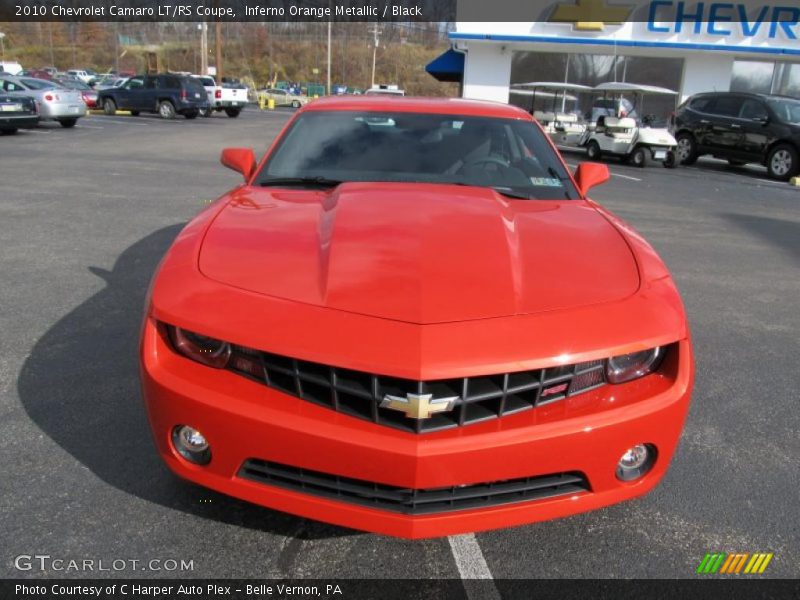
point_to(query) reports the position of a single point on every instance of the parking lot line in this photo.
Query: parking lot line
(471, 566)
(625, 177)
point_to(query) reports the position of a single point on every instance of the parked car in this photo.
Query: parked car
(283, 97)
(17, 112)
(435, 331)
(36, 73)
(88, 94)
(166, 94)
(55, 102)
(84, 76)
(10, 67)
(384, 90)
(109, 81)
(222, 97)
(741, 128)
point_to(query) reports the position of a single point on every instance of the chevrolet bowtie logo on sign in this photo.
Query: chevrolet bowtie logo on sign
(418, 406)
(590, 15)
(734, 564)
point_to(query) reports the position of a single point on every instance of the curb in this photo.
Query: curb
(94, 111)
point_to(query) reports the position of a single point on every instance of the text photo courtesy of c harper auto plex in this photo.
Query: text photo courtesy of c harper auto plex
(399, 299)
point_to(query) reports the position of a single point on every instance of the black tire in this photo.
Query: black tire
(192, 114)
(135, 113)
(206, 112)
(638, 157)
(686, 150)
(782, 162)
(593, 151)
(295, 103)
(671, 161)
(109, 107)
(736, 163)
(68, 123)
(8, 131)
(166, 109)
(233, 112)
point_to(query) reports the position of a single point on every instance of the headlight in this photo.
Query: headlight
(620, 369)
(208, 351)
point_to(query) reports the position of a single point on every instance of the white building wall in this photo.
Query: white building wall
(706, 72)
(487, 72)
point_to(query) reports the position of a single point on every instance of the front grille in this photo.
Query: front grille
(413, 501)
(359, 394)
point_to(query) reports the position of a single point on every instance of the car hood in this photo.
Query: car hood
(418, 253)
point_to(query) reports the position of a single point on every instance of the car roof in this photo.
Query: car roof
(455, 106)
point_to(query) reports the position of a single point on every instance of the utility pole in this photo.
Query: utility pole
(218, 43)
(375, 33)
(203, 27)
(329, 58)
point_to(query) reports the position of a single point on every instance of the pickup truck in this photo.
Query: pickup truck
(166, 94)
(222, 97)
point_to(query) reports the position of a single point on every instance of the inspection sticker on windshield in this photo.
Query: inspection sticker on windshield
(546, 181)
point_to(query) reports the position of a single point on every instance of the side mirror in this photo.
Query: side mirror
(763, 119)
(590, 174)
(239, 159)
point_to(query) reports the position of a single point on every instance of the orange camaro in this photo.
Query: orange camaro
(410, 319)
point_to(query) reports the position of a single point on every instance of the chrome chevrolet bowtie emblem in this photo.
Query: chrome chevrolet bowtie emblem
(418, 406)
(591, 15)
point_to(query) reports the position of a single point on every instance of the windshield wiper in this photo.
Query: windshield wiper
(301, 181)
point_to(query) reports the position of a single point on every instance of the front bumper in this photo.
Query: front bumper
(244, 420)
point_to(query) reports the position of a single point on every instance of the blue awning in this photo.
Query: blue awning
(447, 67)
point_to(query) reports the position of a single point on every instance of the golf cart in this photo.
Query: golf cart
(565, 128)
(632, 138)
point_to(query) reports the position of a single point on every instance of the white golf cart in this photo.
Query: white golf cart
(631, 138)
(565, 127)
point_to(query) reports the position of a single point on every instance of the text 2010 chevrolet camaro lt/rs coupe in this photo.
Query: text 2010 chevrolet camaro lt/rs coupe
(410, 319)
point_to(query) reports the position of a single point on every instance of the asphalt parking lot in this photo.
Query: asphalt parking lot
(86, 215)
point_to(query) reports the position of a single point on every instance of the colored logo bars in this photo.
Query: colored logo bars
(731, 564)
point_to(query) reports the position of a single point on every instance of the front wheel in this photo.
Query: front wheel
(67, 123)
(686, 149)
(295, 104)
(192, 114)
(639, 157)
(135, 113)
(8, 131)
(671, 161)
(166, 110)
(232, 112)
(109, 107)
(205, 112)
(593, 150)
(782, 162)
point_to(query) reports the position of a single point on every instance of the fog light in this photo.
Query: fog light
(636, 461)
(191, 444)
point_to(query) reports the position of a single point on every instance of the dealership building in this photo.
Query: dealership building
(685, 46)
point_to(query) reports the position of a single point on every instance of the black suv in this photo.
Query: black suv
(742, 128)
(168, 95)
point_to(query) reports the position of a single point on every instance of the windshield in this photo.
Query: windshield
(786, 109)
(508, 155)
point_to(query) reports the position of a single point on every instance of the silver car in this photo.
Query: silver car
(55, 102)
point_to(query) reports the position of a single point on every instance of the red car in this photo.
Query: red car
(410, 319)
